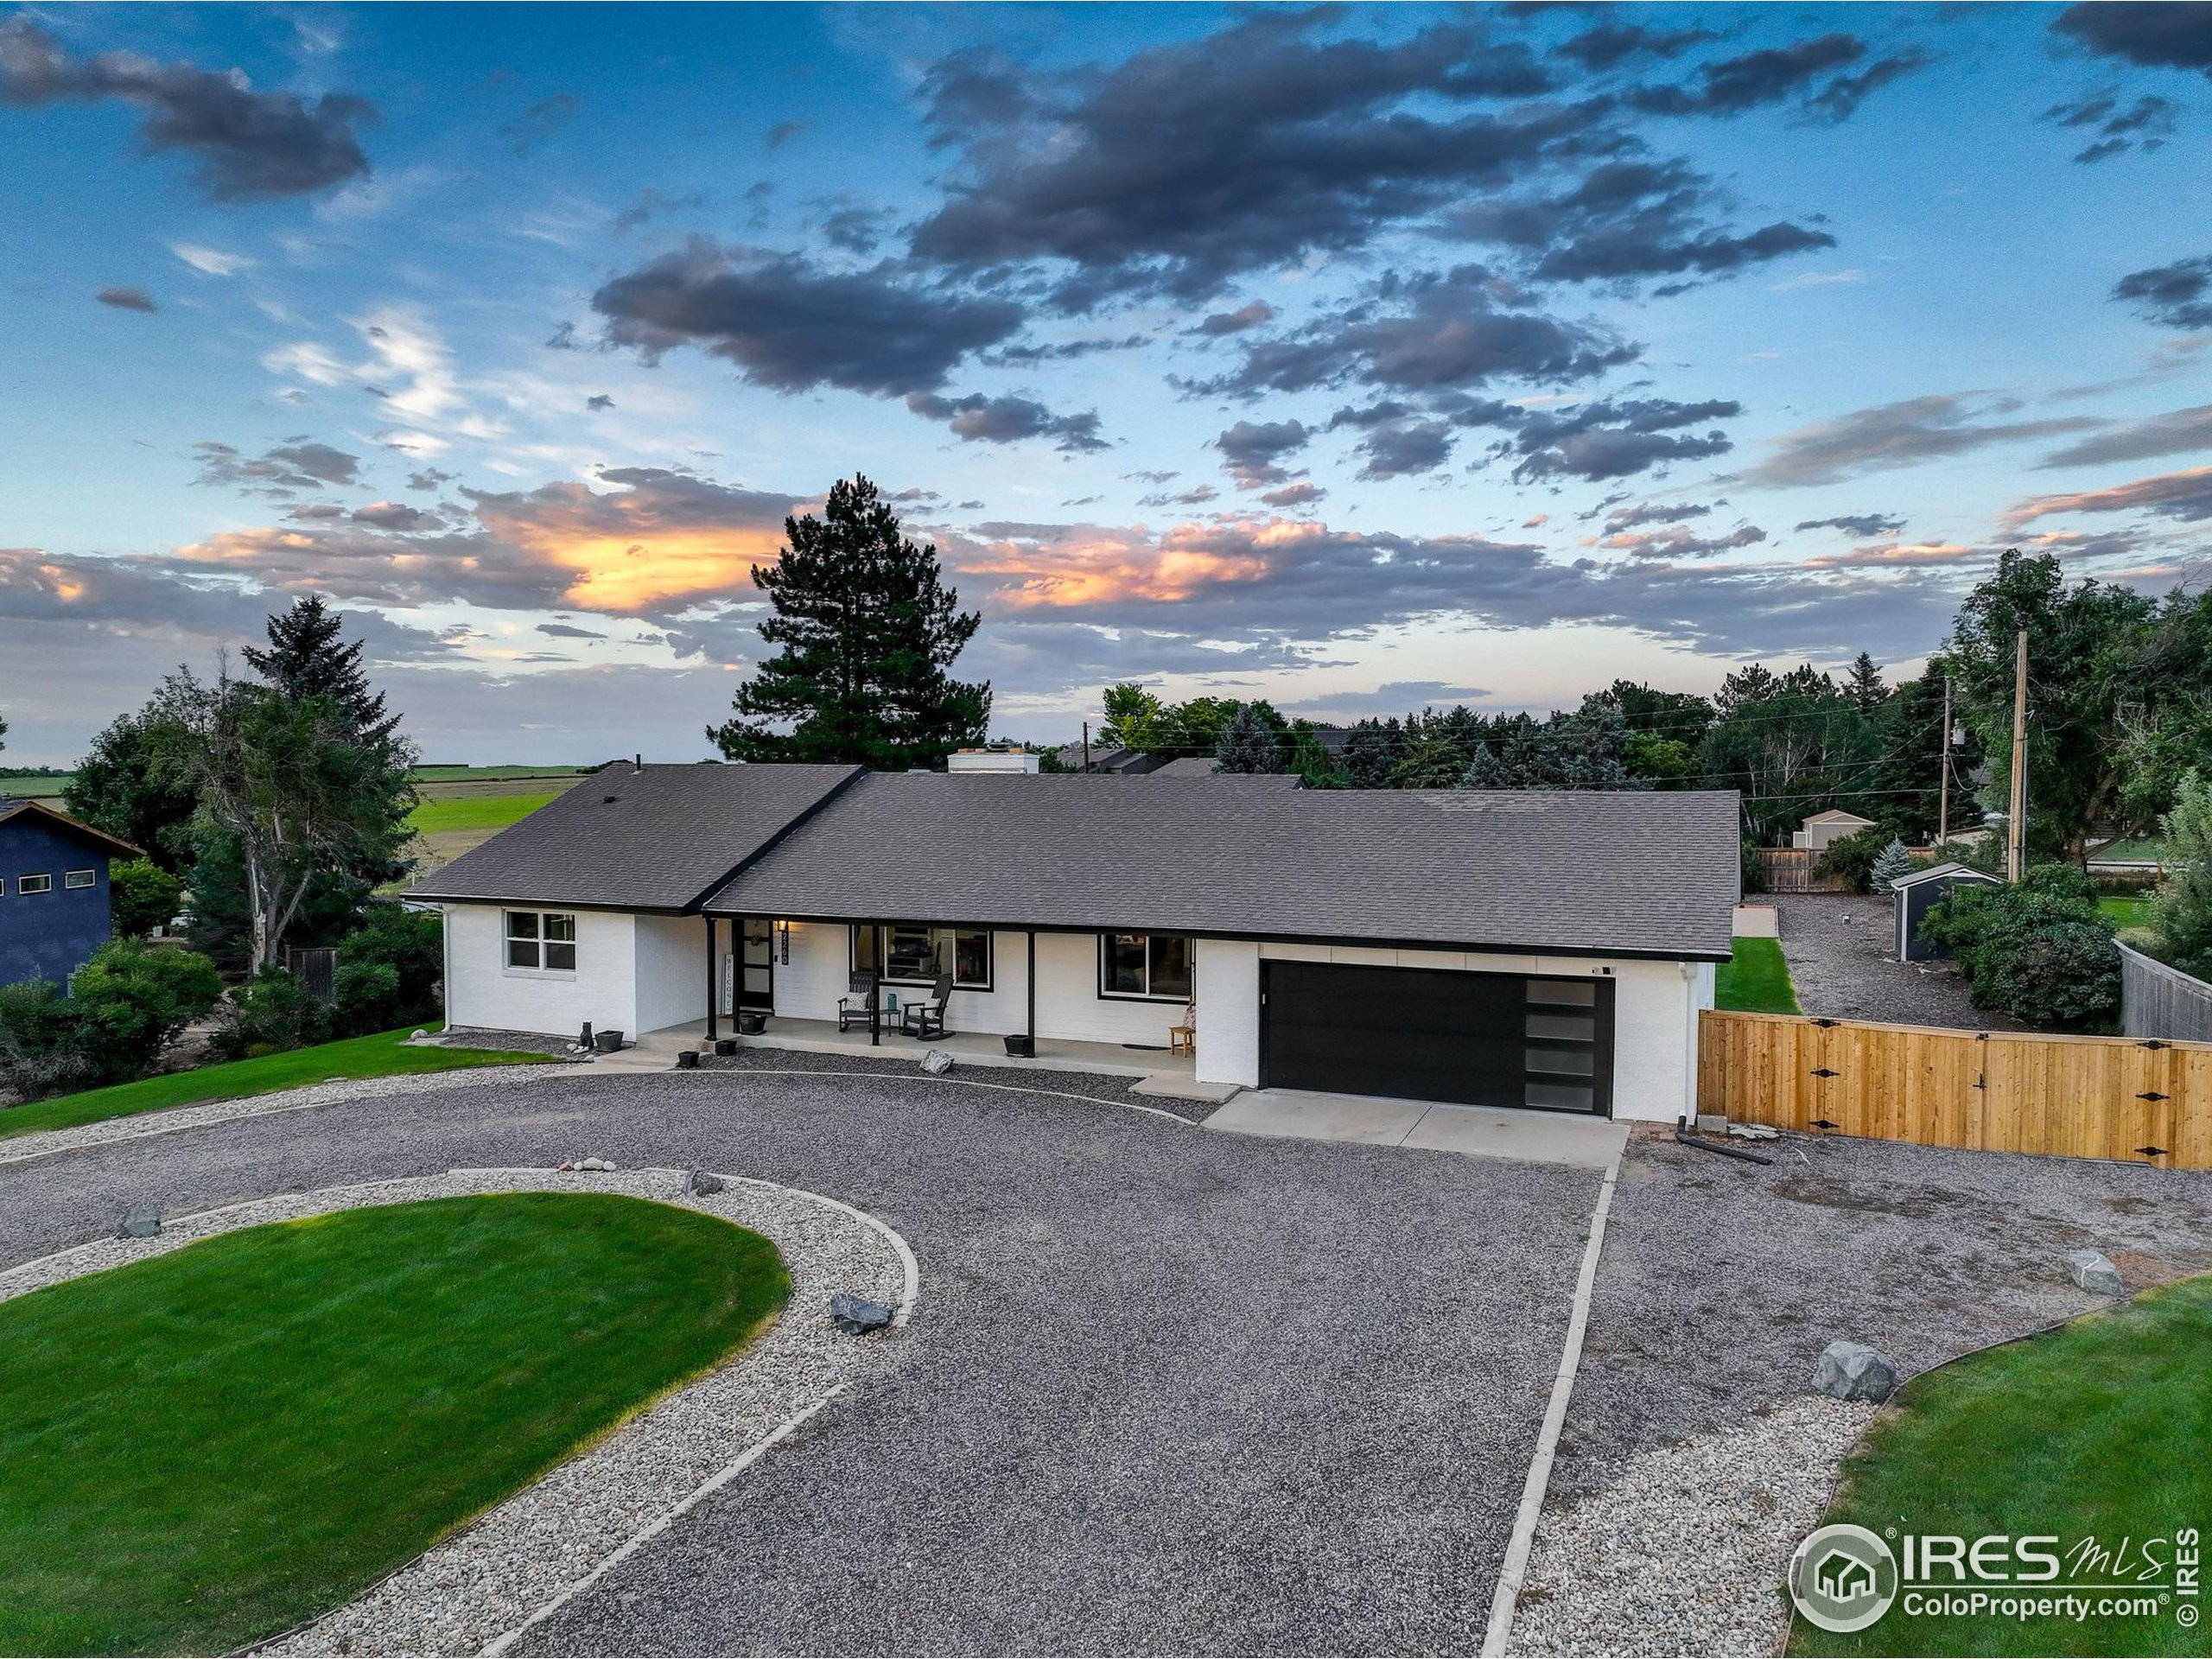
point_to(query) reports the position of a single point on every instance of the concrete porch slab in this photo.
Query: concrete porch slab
(1175, 1088)
(1475, 1131)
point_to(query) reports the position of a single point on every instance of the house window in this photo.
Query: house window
(28, 884)
(77, 879)
(541, 941)
(911, 953)
(1152, 967)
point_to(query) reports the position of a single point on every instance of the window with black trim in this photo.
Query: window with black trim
(77, 879)
(28, 884)
(914, 953)
(1147, 967)
(541, 941)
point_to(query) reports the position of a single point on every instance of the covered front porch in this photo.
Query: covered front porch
(1174, 1073)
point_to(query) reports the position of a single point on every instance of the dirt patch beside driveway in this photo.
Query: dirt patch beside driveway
(1721, 1281)
(1841, 948)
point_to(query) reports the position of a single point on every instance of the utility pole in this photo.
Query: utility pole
(2016, 829)
(1943, 788)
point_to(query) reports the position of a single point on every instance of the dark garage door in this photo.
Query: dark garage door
(1423, 1034)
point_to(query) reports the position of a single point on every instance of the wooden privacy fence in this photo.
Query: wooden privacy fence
(2156, 1000)
(1790, 869)
(2141, 1101)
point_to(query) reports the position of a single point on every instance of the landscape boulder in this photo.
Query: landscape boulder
(705, 1183)
(855, 1315)
(2094, 1272)
(140, 1221)
(937, 1062)
(1851, 1370)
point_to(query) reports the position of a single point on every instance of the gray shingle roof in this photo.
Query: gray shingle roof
(53, 818)
(1653, 874)
(659, 839)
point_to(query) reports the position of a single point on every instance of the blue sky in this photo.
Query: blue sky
(1355, 358)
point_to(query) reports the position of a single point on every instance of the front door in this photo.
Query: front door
(756, 985)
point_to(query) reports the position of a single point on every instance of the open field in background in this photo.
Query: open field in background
(2128, 910)
(39, 786)
(460, 813)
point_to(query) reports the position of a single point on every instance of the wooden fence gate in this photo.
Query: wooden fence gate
(2120, 1097)
(1790, 869)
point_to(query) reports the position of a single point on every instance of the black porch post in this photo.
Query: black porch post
(1031, 985)
(713, 981)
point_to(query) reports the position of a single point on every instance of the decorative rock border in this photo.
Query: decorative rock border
(478, 1589)
(168, 1120)
(1686, 1552)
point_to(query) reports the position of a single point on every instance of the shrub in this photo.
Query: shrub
(125, 1005)
(142, 896)
(2039, 950)
(1754, 867)
(2184, 919)
(1893, 863)
(411, 945)
(1852, 857)
(271, 1011)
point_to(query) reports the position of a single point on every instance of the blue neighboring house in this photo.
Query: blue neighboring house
(53, 892)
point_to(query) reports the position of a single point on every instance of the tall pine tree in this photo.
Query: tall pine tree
(306, 657)
(867, 630)
(1248, 743)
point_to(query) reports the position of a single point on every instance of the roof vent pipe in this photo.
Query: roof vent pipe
(636, 763)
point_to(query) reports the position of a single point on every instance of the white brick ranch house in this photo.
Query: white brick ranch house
(1528, 949)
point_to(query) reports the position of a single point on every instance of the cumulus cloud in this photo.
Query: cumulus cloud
(1303, 493)
(245, 144)
(1616, 438)
(2185, 495)
(1628, 219)
(2145, 124)
(299, 465)
(127, 299)
(1652, 512)
(976, 418)
(1237, 321)
(1903, 433)
(1252, 450)
(1431, 332)
(2183, 432)
(655, 543)
(793, 327)
(1607, 46)
(1682, 543)
(1856, 524)
(2174, 296)
(1125, 173)
(2152, 33)
(1774, 75)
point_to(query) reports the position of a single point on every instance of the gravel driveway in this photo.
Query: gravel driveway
(1165, 1390)
(1841, 948)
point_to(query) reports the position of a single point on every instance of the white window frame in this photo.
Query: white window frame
(1107, 994)
(25, 890)
(78, 881)
(542, 943)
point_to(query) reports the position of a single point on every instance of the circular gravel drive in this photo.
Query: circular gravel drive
(1165, 1390)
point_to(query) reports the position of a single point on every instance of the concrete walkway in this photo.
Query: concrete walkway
(1479, 1131)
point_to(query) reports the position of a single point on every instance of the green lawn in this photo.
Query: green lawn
(200, 1450)
(378, 1056)
(2098, 1428)
(1756, 980)
(464, 774)
(2135, 847)
(475, 812)
(2127, 910)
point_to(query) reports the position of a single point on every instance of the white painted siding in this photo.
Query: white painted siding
(1229, 1012)
(482, 991)
(672, 967)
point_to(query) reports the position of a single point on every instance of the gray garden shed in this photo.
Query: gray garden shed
(1913, 895)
